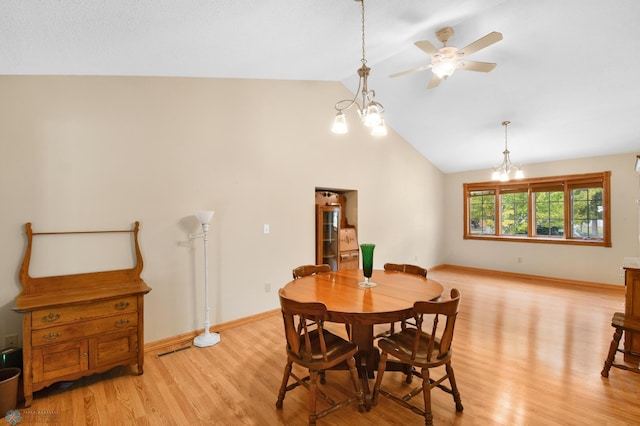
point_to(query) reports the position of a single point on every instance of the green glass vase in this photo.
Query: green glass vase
(367, 264)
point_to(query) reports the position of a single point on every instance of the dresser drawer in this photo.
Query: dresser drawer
(63, 333)
(55, 316)
(349, 260)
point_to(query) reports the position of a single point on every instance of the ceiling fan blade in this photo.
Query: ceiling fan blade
(481, 43)
(476, 66)
(401, 73)
(427, 47)
(435, 80)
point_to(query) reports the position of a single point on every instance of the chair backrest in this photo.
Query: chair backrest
(303, 322)
(448, 310)
(404, 267)
(304, 270)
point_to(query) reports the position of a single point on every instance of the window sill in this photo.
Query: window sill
(539, 240)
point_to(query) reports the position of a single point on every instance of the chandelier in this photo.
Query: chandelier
(502, 171)
(369, 110)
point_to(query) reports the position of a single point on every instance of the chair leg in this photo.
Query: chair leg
(454, 387)
(426, 393)
(408, 370)
(613, 348)
(313, 385)
(283, 387)
(351, 362)
(382, 365)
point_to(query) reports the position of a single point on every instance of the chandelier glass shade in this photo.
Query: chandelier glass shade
(503, 171)
(369, 110)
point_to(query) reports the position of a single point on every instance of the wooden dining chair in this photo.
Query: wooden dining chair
(405, 267)
(621, 324)
(316, 349)
(409, 269)
(305, 270)
(424, 350)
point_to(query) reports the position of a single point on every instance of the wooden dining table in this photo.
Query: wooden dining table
(347, 302)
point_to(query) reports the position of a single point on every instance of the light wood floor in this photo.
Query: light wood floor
(525, 353)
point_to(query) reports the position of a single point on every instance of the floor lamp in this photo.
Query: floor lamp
(207, 338)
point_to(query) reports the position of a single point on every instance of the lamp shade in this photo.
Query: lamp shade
(204, 217)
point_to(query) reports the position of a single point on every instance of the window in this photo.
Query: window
(558, 210)
(483, 206)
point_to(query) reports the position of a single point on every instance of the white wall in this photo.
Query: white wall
(593, 264)
(96, 153)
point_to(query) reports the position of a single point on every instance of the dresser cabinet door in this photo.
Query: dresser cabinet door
(58, 360)
(113, 348)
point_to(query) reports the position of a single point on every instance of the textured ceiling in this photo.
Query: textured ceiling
(566, 74)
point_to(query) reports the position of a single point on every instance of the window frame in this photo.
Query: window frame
(567, 183)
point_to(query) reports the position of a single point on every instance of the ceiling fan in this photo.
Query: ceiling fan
(447, 59)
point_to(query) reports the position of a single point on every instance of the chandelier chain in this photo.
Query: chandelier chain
(505, 124)
(364, 59)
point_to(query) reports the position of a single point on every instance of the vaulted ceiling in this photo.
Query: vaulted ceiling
(566, 76)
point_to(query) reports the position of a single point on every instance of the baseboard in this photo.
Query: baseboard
(539, 279)
(186, 339)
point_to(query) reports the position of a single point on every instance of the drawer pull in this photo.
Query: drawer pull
(122, 322)
(51, 336)
(51, 317)
(123, 304)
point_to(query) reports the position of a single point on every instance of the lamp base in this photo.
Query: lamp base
(206, 339)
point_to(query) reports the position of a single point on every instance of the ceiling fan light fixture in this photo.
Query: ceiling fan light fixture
(369, 110)
(444, 68)
(447, 59)
(502, 171)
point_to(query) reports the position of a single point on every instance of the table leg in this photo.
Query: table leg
(366, 358)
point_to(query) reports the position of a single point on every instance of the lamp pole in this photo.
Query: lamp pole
(207, 338)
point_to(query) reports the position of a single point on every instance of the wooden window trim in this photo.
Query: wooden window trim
(531, 185)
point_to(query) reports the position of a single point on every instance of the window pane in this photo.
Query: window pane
(587, 213)
(482, 215)
(549, 213)
(514, 210)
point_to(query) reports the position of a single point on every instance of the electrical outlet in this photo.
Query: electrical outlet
(267, 287)
(11, 341)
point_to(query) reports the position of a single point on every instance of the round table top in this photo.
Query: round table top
(391, 300)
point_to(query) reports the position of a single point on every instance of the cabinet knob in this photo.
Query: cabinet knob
(51, 317)
(123, 304)
(122, 322)
(84, 355)
(52, 336)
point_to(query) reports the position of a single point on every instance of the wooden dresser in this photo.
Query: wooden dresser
(81, 324)
(631, 267)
